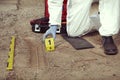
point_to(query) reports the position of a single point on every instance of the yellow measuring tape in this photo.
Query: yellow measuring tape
(10, 60)
(49, 44)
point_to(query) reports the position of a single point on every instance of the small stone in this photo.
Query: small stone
(114, 74)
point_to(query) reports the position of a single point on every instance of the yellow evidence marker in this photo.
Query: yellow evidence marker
(10, 60)
(49, 44)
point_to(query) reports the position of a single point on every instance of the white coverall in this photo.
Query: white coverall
(78, 20)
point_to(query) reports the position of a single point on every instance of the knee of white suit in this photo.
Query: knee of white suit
(91, 25)
(71, 33)
(78, 30)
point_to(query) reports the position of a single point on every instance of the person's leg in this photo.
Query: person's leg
(78, 21)
(55, 11)
(109, 18)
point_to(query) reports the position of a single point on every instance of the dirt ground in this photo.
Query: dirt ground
(32, 62)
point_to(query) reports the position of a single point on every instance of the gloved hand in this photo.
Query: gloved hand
(51, 31)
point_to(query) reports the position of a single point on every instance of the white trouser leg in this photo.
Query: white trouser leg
(78, 21)
(55, 11)
(109, 17)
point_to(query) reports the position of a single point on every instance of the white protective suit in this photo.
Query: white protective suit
(78, 20)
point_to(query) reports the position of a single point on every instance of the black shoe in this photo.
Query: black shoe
(109, 45)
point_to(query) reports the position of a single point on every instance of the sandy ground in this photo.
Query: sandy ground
(32, 62)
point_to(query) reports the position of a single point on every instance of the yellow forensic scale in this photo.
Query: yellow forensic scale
(10, 60)
(49, 44)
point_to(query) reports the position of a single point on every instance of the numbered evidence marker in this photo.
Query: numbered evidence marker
(10, 60)
(49, 44)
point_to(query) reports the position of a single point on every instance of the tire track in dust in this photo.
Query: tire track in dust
(37, 54)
